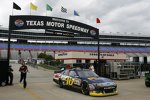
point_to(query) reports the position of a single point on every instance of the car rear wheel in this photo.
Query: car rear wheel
(85, 89)
(61, 84)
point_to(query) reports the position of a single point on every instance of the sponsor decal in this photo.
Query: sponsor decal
(92, 78)
(77, 81)
(62, 54)
(102, 54)
(51, 24)
(19, 23)
(34, 23)
(93, 32)
(109, 87)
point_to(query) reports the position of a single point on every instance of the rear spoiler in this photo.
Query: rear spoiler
(58, 71)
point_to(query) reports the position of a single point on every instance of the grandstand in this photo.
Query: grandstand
(72, 36)
(79, 48)
(132, 46)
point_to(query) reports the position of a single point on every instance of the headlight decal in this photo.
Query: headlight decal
(91, 87)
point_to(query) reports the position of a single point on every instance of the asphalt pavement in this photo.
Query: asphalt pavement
(41, 87)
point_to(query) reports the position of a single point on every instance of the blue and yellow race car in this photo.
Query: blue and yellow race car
(87, 81)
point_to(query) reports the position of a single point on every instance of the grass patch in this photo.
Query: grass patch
(48, 67)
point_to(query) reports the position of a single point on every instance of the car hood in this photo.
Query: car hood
(100, 81)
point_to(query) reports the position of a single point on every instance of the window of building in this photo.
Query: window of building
(87, 61)
(78, 61)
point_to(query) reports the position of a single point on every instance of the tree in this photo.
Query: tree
(42, 55)
(49, 57)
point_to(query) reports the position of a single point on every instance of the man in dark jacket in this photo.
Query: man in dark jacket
(23, 69)
(9, 80)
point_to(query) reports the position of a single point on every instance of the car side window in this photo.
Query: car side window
(65, 72)
(72, 73)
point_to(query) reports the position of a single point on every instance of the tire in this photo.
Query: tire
(3, 84)
(85, 89)
(147, 84)
(61, 84)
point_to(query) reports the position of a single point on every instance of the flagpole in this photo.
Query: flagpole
(30, 7)
(46, 13)
(46, 27)
(30, 12)
(13, 9)
(98, 50)
(8, 47)
(46, 16)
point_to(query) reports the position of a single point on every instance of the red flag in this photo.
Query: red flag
(98, 20)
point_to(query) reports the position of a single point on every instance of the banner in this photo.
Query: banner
(33, 6)
(15, 6)
(64, 10)
(48, 7)
(98, 20)
(52, 23)
(76, 13)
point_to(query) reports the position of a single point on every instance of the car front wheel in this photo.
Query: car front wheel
(85, 89)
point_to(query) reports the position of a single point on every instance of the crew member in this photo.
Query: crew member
(23, 69)
(9, 80)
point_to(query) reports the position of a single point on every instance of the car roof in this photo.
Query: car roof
(80, 69)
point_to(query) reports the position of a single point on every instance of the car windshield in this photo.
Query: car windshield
(87, 73)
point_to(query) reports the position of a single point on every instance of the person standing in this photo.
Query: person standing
(9, 80)
(23, 69)
(92, 67)
(68, 66)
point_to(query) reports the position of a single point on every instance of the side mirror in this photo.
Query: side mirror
(62, 69)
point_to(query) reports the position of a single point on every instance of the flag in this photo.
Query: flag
(48, 8)
(64, 10)
(33, 7)
(98, 20)
(76, 13)
(15, 6)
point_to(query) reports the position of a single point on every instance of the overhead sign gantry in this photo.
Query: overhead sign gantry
(51, 23)
(19, 22)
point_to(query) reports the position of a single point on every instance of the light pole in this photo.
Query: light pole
(8, 48)
(98, 50)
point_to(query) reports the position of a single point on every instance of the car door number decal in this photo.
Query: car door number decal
(69, 81)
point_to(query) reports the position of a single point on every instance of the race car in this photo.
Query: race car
(87, 81)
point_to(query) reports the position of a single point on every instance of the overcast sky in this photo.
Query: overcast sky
(118, 17)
